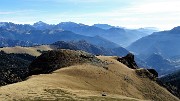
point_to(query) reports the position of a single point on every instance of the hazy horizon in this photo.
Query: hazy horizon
(162, 14)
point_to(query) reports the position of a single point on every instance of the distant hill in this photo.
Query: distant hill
(73, 45)
(148, 30)
(103, 26)
(172, 82)
(11, 43)
(85, 46)
(161, 65)
(33, 50)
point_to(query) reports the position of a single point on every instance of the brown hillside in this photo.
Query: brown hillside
(34, 51)
(87, 81)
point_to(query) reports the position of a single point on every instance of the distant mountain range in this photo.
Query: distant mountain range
(160, 50)
(51, 36)
(11, 43)
(119, 35)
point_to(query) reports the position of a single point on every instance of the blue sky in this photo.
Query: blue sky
(163, 14)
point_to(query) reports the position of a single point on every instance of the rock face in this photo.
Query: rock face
(128, 60)
(154, 72)
(56, 59)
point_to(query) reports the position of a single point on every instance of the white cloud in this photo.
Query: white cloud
(164, 14)
(159, 7)
(5, 12)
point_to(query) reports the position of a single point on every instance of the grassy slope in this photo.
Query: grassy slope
(29, 50)
(87, 82)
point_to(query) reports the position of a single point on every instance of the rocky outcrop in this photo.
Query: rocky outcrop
(128, 60)
(144, 73)
(154, 72)
(56, 59)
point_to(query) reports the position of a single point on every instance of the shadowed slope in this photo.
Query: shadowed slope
(56, 59)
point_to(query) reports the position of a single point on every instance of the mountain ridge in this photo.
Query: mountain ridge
(50, 36)
(120, 36)
(164, 43)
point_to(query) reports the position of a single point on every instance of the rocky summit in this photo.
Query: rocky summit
(128, 60)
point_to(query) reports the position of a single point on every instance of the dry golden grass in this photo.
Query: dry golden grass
(28, 50)
(87, 82)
